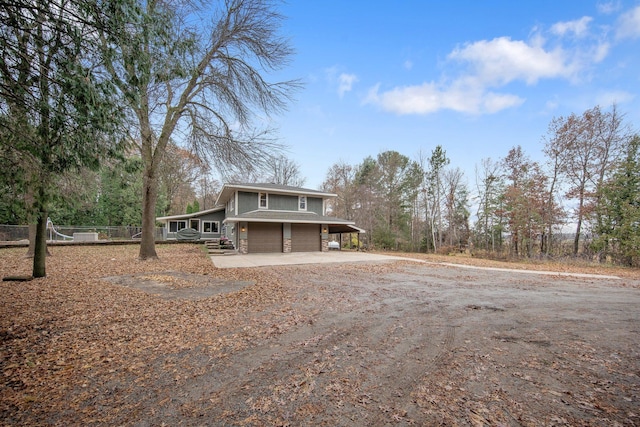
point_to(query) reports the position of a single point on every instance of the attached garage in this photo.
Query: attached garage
(305, 238)
(264, 237)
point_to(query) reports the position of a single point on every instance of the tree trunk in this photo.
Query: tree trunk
(40, 248)
(30, 206)
(33, 232)
(576, 240)
(149, 199)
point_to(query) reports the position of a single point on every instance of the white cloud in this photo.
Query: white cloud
(600, 51)
(578, 27)
(408, 64)
(628, 26)
(485, 67)
(429, 98)
(345, 83)
(608, 7)
(487, 64)
(494, 102)
(502, 60)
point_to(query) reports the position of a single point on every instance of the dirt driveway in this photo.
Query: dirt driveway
(429, 345)
(395, 344)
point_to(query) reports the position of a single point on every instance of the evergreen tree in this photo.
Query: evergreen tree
(55, 111)
(618, 233)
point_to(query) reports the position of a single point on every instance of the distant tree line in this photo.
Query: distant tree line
(583, 200)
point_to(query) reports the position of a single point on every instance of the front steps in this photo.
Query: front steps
(214, 248)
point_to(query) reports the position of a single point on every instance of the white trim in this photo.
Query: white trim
(204, 223)
(266, 200)
(191, 215)
(293, 190)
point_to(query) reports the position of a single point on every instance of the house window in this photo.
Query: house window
(302, 203)
(210, 227)
(195, 224)
(263, 201)
(175, 226)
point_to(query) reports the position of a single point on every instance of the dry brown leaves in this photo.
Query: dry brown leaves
(74, 346)
(537, 265)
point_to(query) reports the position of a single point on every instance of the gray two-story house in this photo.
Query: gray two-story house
(265, 218)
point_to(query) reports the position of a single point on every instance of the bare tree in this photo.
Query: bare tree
(207, 189)
(340, 179)
(203, 82)
(489, 185)
(433, 179)
(178, 173)
(282, 170)
(456, 213)
(587, 146)
(553, 212)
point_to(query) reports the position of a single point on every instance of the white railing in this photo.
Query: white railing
(53, 231)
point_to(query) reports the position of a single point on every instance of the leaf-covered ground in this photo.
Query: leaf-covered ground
(109, 340)
(75, 347)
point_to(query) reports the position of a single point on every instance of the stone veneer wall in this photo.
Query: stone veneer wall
(244, 247)
(286, 246)
(325, 245)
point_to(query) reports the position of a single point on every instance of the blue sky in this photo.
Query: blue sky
(476, 77)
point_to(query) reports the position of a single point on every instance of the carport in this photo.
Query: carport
(342, 228)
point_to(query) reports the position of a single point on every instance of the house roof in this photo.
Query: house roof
(191, 215)
(228, 190)
(336, 225)
(285, 216)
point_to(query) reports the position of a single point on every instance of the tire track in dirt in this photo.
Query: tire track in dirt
(402, 347)
(368, 356)
(363, 359)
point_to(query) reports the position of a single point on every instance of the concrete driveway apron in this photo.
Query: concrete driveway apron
(261, 260)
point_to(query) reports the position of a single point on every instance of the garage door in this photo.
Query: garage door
(305, 237)
(264, 237)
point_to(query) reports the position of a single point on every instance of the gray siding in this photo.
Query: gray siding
(281, 202)
(247, 202)
(212, 216)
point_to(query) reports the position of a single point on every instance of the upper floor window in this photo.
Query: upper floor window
(263, 201)
(302, 203)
